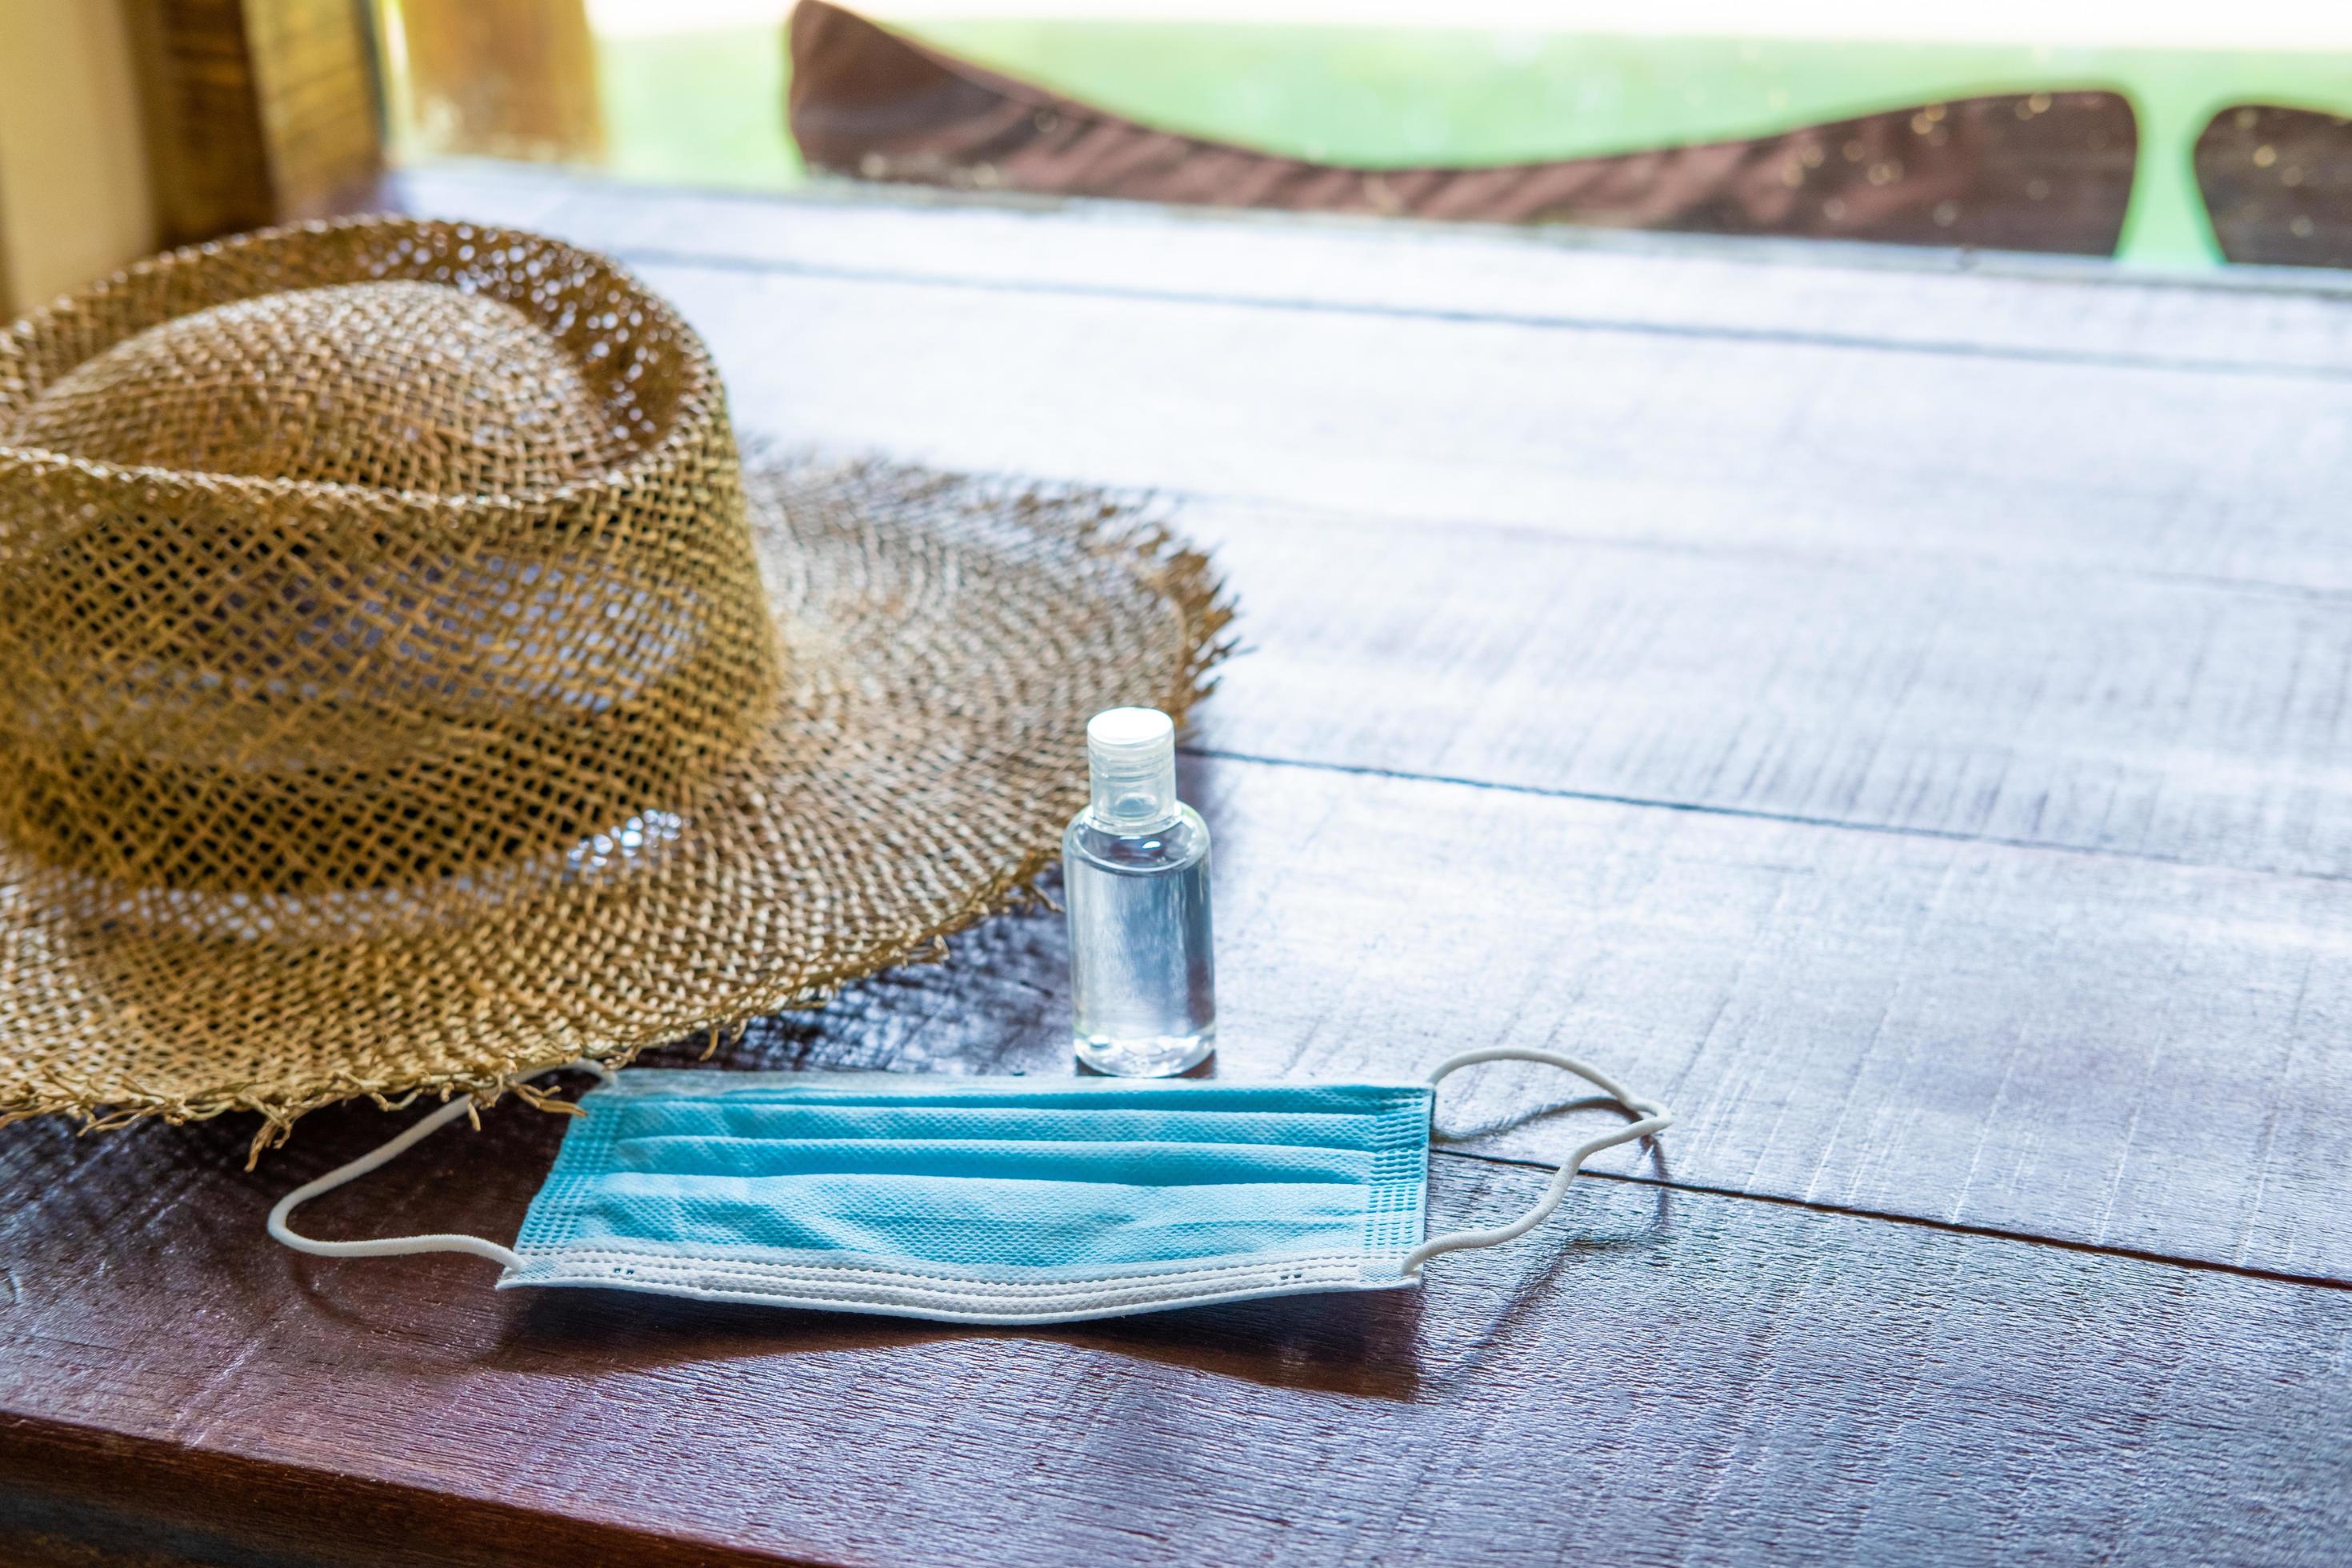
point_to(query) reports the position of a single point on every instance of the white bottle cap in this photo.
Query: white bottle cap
(1131, 763)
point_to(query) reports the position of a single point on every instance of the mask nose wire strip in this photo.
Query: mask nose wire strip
(394, 1246)
(1654, 1118)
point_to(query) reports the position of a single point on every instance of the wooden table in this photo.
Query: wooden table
(1891, 709)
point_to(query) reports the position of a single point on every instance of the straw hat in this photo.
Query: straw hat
(401, 686)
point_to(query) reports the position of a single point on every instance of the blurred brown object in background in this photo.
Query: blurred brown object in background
(2047, 171)
(516, 78)
(257, 112)
(2277, 184)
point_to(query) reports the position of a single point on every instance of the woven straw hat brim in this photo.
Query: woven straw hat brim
(946, 640)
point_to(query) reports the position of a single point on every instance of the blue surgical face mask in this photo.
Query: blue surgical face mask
(981, 1200)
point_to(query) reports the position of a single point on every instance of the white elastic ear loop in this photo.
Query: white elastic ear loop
(394, 1246)
(1654, 1118)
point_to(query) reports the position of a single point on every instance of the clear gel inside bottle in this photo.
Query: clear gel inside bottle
(1136, 877)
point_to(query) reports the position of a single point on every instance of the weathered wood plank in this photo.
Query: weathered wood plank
(2085, 704)
(1697, 442)
(2091, 1048)
(1893, 1079)
(2178, 720)
(1661, 1376)
(192, 1506)
(2098, 699)
(2046, 1176)
(1862, 295)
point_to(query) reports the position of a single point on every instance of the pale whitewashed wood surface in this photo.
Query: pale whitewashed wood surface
(1866, 296)
(2056, 416)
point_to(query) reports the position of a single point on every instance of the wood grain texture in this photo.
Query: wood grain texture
(1974, 681)
(1659, 1376)
(2107, 1053)
(2175, 719)
(1863, 296)
(2108, 703)
(195, 70)
(1703, 442)
(2124, 700)
(2089, 1048)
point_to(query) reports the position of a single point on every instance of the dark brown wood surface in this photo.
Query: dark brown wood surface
(1668, 1376)
(1891, 714)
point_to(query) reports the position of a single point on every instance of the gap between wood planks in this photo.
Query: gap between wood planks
(1289, 510)
(1951, 1227)
(1754, 813)
(1945, 348)
(2180, 513)
(1850, 1210)
(1378, 311)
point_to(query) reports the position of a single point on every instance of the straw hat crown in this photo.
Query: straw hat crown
(395, 386)
(373, 581)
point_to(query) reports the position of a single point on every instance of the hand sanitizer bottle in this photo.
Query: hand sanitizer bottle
(1136, 874)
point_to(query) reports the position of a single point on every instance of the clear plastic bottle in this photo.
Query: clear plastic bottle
(1136, 877)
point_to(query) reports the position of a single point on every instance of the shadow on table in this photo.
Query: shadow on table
(1359, 1342)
